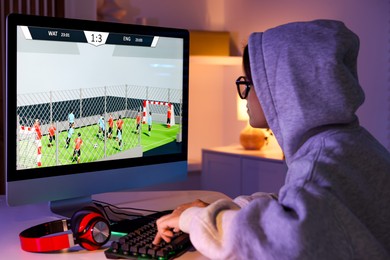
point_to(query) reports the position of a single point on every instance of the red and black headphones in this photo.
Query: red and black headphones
(89, 228)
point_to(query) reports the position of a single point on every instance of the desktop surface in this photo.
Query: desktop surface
(13, 220)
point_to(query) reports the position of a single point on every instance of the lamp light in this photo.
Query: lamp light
(110, 11)
(250, 138)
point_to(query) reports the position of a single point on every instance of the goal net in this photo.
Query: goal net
(162, 112)
(28, 148)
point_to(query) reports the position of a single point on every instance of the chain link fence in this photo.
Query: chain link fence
(53, 135)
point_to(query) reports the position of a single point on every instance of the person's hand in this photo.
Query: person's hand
(169, 224)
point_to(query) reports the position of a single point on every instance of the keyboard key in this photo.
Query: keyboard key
(134, 249)
(163, 252)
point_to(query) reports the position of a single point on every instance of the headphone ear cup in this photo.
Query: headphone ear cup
(78, 215)
(90, 228)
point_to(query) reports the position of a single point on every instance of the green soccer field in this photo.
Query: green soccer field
(94, 148)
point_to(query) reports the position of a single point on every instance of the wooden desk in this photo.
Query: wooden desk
(13, 220)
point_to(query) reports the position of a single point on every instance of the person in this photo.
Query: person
(119, 139)
(52, 134)
(77, 148)
(70, 133)
(119, 125)
(169, 114)
(71, 119)
(38, 141)
(150, 122)
(37, 127)
(102, 127)
(301, 81)
(138, 121)
(110, 126)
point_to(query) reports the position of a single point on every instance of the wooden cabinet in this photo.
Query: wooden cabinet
(235, 171)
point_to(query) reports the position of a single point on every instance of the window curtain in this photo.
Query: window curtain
(54, 8)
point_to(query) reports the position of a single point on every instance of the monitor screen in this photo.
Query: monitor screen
(93, 107)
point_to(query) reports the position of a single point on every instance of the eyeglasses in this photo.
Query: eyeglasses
(243, 87)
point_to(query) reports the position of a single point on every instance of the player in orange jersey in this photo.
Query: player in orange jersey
(119, 125)
(37, 127)
(138, 120)
(77, 148)
(52, 135)
(110, 126)
(169, 114)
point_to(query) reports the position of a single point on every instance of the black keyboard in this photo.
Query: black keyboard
(137, 244)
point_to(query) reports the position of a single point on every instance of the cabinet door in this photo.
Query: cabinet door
(262, 175)
(221, 172)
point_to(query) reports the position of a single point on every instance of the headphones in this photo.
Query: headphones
(89, 228)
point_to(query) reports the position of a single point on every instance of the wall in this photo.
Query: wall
(192, 14)
(213, 120)
(85, 9)
(213, 114)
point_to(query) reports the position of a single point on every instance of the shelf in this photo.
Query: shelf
(273, 153)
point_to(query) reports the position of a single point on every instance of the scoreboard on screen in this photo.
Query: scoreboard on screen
(91, 37)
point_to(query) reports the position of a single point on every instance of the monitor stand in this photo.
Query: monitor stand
(68, 207)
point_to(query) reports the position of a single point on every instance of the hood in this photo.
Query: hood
(305, 77)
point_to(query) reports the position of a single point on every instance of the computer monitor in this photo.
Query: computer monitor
(92, 107)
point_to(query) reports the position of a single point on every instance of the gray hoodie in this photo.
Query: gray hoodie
(335, 203)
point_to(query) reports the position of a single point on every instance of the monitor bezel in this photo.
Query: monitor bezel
(14, 20)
